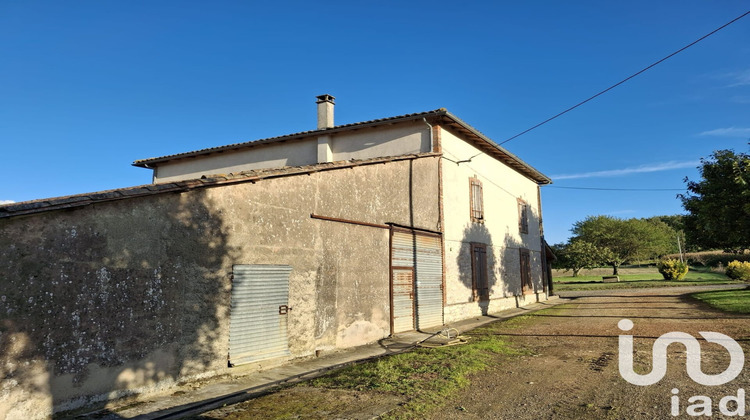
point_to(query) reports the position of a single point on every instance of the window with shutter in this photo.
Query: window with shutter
(523, 216)
(475, 199)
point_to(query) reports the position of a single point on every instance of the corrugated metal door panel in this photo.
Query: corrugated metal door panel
(256, 329)
(429, 270)
(402, 248)
(403, 300)
(423, 252)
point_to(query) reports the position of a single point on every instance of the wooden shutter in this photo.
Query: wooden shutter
(523, 216)
(476, 200)
(526, 283)
(479, 271)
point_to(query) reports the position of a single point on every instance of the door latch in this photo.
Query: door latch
(283, 309)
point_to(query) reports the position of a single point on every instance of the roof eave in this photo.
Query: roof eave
(500, 152)
(515, 161)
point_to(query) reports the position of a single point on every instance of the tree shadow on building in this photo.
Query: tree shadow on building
(511, 268)
(498, 276)
(111, 297)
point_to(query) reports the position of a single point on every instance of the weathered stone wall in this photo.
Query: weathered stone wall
(134, 294)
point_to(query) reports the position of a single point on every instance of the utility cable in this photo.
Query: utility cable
(615, 189)
(629, 77)
(486, 178)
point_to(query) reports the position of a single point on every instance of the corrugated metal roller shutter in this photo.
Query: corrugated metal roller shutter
(403, 249)
(429, 282)
(423, 253)
(256, 329)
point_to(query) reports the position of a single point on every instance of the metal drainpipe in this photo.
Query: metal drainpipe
(153, 172)
(411, 222)
(432, 141)
(440, 178)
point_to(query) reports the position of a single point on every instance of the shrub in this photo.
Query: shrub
(738, 270)
(672, 269)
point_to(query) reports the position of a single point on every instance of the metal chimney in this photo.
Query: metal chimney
(325, 111)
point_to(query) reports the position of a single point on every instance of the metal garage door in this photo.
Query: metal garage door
(429, 281)
(421, 254)
(258, 317)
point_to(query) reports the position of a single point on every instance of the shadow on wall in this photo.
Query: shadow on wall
(482, 272)
(111, 297)
(511, 270)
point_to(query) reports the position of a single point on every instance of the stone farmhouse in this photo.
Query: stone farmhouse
(253, 254)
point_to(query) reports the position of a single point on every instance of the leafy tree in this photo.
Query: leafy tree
(675, 221)
(628, 240)
(657, 236)
(577, 255)
(719, 204)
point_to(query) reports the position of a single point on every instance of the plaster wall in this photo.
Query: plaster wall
(276, 155)
(502, 187)
(134, 295)
(395, 140)
(365, 143)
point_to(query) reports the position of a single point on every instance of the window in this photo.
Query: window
(526, 285)
(523, 216)
(480, 285)
(475, 198)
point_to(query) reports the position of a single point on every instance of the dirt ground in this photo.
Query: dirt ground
(570, 366)
(573, 372)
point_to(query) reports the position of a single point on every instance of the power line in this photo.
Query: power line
(488, 179)
(617, 189)
(629, 77)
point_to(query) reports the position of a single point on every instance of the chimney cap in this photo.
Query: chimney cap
(325, 98)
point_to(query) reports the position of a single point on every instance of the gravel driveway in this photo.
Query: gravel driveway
(571, 371)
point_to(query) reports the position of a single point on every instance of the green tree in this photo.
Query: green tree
(658, 237)
(677, 222)
(630, 240)
(576, 256)
(719, 204)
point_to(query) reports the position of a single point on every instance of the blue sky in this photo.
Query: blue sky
(87, 87)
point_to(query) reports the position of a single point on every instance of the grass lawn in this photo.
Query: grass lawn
(425, 377)
(643, 278)
(727, 300)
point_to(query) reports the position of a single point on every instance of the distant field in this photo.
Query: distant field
(712, 258)
(636, 277)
